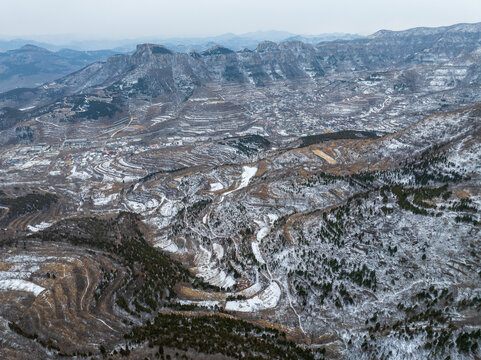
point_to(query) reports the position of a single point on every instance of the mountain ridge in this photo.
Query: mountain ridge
(268, 62)
(33, 65)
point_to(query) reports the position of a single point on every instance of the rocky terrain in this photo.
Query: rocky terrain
(292, 202)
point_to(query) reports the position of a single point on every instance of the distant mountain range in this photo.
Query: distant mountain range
(32, 66)
(178, 44)
(273, 54)
(155, 71)
(27, 63)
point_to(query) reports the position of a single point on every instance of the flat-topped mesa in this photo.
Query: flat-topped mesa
(217, 50)
(296, 47)
(152, 49)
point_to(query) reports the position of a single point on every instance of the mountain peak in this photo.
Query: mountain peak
(30, 47)
(267, 46)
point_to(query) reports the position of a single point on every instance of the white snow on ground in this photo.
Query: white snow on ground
(130, 178)
(399, 348)
(112, 174)
(141, 208)
(247, 174)
(55, 173)
(376, 110)
(17, 272)
(20, 285)
(23, 259)
(466, 155)
(272, 217)
(262, 233)
(218, 251)
(267, 299)
(208, 271)
(129, 165)
(74, 174)
(394, 144)
(15, 277)
(203, 303)
(265, 227)
(257, 252)
(29, 164)
(103, 322)
(29, 268)
(27, 108)
(135, 206)
(104, 200)
(169, 208)
(166, 245)
(250, 291)
(6, 275)
(42, 226)
(216, 186)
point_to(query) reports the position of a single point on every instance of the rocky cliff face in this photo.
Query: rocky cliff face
(294, 59)
(156, 70)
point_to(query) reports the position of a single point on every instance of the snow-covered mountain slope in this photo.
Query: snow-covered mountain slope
(165, 204)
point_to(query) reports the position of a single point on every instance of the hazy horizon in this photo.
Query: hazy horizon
(122, 20)
(78, 37)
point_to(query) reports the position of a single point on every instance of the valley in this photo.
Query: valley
(310, 201)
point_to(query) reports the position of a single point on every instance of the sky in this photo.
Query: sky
(129, 19)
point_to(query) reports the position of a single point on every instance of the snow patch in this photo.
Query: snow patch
(74, 174)
(250, 291)
(216, 186)
(39, 227)
(104, 200)
(218, 251)
(21, 285)
(257, 252)
(267, 299)
(203, 303)
(208, 271)
(31, 163)
(166, 245)
(247, 174)
(169, 208)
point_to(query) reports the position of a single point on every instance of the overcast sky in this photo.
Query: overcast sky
(121, 19)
